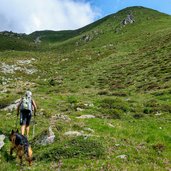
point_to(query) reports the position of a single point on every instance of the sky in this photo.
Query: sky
(26, 16)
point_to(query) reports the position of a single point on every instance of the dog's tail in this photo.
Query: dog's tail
(29, 154)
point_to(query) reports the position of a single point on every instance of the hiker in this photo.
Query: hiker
(26, 108)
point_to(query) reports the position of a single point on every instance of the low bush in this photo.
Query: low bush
(110, 103)
(74, 148)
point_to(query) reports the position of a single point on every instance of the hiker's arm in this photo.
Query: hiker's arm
(18, 108)
(34, 106)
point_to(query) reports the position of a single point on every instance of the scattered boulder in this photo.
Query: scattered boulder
(60, 117)
(158, 114)
(86, 117)
(79, 109)
(47, 137)
(12, 106)
(56, 81)
(123, 156)
(11, 69)
(24, 62)
(89, 105)
(2, 138)
(73, 133)
(89, 130)
(111, 125)
(79, 133)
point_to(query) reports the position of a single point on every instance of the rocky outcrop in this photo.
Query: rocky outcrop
(89, 37)
(128, 20)
(37, 40)
(21, 65)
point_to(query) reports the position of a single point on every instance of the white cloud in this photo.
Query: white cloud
(30, 15)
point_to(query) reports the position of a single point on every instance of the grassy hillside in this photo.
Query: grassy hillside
(117, 72)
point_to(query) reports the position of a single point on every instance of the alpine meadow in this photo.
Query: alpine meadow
(103, 92)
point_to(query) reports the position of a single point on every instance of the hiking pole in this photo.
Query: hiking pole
(33, 129)
(16, 123)
(34, 123)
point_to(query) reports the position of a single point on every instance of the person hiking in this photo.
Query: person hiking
(26, 108)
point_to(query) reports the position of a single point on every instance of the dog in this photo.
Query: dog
(22, 147)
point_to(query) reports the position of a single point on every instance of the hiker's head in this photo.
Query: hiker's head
(28, 93)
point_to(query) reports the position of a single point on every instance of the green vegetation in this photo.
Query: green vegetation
(119, 74)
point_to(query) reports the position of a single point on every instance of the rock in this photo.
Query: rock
(61, 117)
(12, 106)
(30, 71)
(89, 130)
(158, 114)
(37, 40)
(128, 20)
(46, 138)
(2, 137)
(8, 114)
(86, 117)
(123, 156)
(51, 136)
(89, 105)
(111, 125)
(11, 69)
(73, 133)
(4, 90)
(79, 109)
(24, 62)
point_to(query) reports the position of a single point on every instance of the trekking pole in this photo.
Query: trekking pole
(16, 123)
(33, 129)
(34, 123)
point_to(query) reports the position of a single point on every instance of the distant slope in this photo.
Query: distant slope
(111, 29)
(116, 57)
(53, 36)
(109, 26)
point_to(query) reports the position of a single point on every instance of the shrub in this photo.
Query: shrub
(72, 100)
(138, 116)
(147, 110)
(103, 92)
(153, 106)
(52, 82)
(74, 148)
(111, 113)
(110, 103)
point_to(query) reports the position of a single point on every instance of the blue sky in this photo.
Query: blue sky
(112, 6)
(26, 16)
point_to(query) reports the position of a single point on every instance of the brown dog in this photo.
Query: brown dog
(21, 145)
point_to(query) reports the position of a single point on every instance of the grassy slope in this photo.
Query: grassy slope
(123, 71)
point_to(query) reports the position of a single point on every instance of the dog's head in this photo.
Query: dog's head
(13, 135)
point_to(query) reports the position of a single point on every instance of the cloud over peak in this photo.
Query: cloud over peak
(30, 15)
